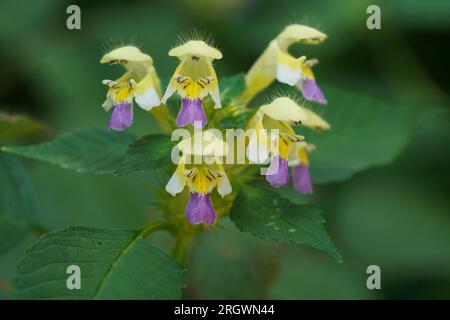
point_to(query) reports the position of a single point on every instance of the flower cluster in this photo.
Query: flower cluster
(273, 136)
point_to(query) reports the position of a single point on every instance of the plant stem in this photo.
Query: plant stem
(181, 248)
(153, 227)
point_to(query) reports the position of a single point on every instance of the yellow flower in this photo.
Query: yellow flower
(277, 115)
(140, 82)
(277, 63)
(284, 144)
(201, 179)
(193, 80)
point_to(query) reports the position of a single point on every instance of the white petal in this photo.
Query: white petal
(169, 92)
(215, 95)
(257, 150)
(224, 185)
(293, 162)
(287, 75)
(177, 182)
(148, 99)
(109, 103)
(108, 82)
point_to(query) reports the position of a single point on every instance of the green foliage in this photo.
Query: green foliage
(419, 222)
(40, 74)
(147, 153)
(17, 127)
(364, 133)
(237, 119)
(114, 264)
(409, 12)
(17, 205)
(263, 213)
(88, 150)
(302, 275)
(231, 87)
(231, 257)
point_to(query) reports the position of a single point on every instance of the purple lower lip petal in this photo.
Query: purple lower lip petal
(199, 209)
(277, 173)
(301, 179)
(121, 117)
(311, 91)
(191, 112)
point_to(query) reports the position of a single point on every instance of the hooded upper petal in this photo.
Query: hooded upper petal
(301, 34)
(196, 48)
(126, 53)
(285, 109)
(314, 121)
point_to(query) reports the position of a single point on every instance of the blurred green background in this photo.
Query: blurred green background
(396, 217)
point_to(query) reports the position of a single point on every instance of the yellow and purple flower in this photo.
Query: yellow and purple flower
(285, 148)
(139, 82)
(276, 116)
(277, 62)
(200, 179)
(193, 80)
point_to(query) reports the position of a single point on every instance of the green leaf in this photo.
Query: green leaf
(12, 231)
(17, 206)
(239, 266)
(114, 264)
(364, 133)
(231, 87)
(237, 119)
(411, 213)
(301, 275)
(88, 150)
(263, 213)
(147, 153)
(17, 127)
